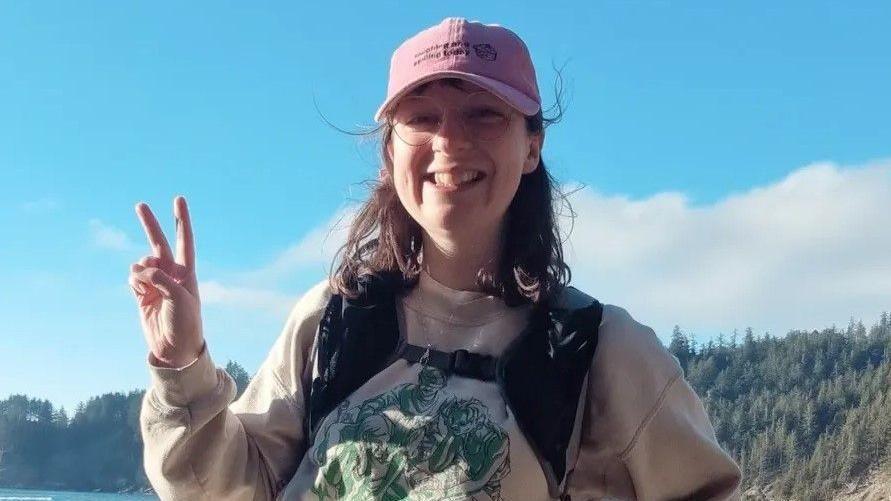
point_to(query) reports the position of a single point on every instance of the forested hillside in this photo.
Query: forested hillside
(806, 415)
(98, 448)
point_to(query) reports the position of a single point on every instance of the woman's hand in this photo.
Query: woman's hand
(166, 290)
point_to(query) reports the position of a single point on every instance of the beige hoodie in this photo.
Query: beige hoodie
(411, 432)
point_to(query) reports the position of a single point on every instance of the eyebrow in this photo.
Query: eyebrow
(456, 83)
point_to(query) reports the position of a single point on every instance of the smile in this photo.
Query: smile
(448, 181)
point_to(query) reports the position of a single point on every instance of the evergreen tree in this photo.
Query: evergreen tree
(680, 347)
(239, 375)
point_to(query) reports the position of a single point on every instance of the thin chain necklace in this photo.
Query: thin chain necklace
(426, 330)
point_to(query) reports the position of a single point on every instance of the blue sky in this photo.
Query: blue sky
(735, 160)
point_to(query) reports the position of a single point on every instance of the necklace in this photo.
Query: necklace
(426, 331)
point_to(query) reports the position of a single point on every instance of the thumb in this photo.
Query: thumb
(162, 281)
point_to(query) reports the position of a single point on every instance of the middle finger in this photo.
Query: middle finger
(185, 240)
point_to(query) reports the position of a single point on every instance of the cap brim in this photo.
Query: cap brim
(523, 103)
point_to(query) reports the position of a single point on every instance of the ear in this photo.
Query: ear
(383, 172)
(536, 142)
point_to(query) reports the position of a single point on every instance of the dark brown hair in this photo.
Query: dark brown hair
(383, 237)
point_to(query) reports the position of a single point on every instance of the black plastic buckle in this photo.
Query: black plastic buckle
(472, 365)
(459, 359)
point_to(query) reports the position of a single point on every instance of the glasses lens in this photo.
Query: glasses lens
(416, 119)
(485, 116)
(482, 115)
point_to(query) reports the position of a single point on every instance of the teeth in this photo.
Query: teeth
(443, 179)
(451, 180)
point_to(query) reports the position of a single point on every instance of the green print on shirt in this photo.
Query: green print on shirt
(413, 442)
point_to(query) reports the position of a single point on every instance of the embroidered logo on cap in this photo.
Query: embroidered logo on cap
(485, 51)
(453, 49)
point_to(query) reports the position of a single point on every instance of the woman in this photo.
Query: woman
(445, 357)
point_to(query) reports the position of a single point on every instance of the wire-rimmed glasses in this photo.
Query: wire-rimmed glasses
(416, 119)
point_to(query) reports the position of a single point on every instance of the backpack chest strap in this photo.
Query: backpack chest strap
(460, 362)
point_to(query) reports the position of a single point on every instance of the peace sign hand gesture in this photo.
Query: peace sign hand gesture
(166, 290)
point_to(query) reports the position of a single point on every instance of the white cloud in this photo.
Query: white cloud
(41, 205)
(275, 303)
(808, 251)
(315, 251)
(106, 236)
(258, 289)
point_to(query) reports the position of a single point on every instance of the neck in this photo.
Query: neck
(455, 264)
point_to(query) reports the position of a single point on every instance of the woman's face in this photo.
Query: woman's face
(429, 178)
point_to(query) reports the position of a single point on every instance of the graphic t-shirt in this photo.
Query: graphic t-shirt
(413, 431)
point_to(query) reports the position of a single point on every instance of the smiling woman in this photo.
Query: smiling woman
(446, 356)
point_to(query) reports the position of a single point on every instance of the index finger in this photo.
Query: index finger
(185, 240)
(153, 232)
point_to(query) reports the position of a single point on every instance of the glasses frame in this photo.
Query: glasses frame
(391, 120)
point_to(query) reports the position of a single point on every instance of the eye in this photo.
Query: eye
(421, 120)
(485, 114)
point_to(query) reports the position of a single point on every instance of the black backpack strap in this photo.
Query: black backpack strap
(363, 331)
(461, 362)
(542, 375)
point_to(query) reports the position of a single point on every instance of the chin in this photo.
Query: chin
(451, 220)
(458, 225)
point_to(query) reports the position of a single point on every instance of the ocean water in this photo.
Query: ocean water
(32, 495)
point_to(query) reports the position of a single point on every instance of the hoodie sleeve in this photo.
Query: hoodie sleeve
(197, 446)
(675, 455)
(645, 432)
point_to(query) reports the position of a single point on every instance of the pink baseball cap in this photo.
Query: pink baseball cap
(489, 55)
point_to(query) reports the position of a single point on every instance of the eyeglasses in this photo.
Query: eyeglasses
(416, 119)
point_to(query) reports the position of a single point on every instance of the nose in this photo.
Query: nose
(451, 134)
